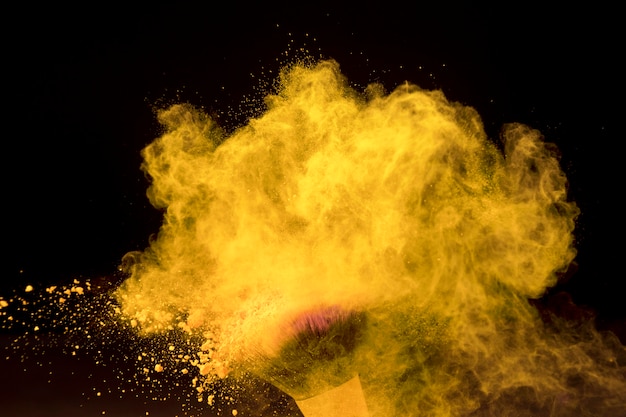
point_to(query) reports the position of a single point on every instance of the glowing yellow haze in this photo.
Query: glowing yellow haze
(396, 204)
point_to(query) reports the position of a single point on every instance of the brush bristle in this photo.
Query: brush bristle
(317, 352)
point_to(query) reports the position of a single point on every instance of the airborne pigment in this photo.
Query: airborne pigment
(396, 205)
(395, 208)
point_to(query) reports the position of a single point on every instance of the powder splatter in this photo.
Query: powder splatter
(387, 226)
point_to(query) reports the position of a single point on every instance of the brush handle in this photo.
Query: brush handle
(346, 400)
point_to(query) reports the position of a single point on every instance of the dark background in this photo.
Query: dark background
(81, 83)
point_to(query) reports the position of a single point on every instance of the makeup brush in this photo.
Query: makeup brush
(314, 362)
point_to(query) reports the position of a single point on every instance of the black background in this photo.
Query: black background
(81, 83)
